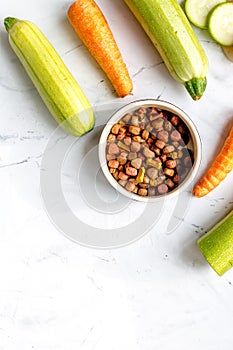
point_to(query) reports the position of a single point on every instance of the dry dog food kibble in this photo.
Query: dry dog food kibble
(148, 153)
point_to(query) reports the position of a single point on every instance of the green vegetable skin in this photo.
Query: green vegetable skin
(54, 82)
(170, 31)
(217, 245)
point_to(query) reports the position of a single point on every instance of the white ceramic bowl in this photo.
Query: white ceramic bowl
(163, 105)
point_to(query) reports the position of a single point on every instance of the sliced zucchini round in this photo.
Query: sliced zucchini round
(197, 11)
(220, 24)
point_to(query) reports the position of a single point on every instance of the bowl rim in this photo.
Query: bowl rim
(164, 105)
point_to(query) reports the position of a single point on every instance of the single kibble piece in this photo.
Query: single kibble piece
(168, 149)
(113, 163)
(169, 183)
(131, 171)
(158, 123)
(115, 129)
(163, 136)
(175, 135)
(132, 155)
(130, 186)
(145, 134)
(110, 156)
(122, 160)
(175, 120)
(134, 130)
(148, 153)
(152, 173)
(113, 148)
(135, 146)
(111, 138)
(127, 141)
(160, 144)
(171, 163)
(134, 120)
(136, 163)
(168, 172)
(142, 192)
(137, 138)
(163, 188)
(122, 176)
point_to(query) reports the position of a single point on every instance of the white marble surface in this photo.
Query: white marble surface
(157, 293)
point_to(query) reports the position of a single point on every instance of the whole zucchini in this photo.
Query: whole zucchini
(170, 31)
(54, 82)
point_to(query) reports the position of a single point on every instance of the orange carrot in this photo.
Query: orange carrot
(91, 26)
(218, 170)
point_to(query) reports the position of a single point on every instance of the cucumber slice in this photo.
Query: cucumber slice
(197, 11)
(220, 24)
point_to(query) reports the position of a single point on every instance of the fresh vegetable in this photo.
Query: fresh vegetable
(220, 24)
(197, 11)
(171, 33)
(218, 170)
(55, 84)
(91, 26)
(217, 245)
(228, 50)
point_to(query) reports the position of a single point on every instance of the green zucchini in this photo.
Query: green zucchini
(217, 245)
(54, 82)
(170, 31)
